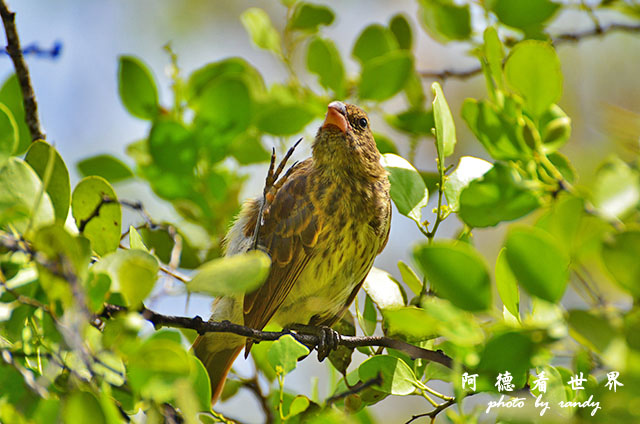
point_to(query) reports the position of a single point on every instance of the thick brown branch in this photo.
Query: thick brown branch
(22, 72)
(311, 341)
(568, 37)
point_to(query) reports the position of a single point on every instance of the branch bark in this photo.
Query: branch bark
(22, 72)
(309, 340)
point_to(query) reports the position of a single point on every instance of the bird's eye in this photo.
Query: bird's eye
(363, 123)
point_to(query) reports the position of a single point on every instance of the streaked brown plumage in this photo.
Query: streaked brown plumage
(322, 228)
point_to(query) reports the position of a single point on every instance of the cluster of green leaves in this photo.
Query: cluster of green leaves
(57, 272)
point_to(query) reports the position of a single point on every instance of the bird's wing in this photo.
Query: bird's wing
(288, 234)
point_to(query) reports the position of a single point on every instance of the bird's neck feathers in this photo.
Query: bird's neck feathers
(345, 157)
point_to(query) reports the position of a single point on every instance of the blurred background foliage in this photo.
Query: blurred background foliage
(539, 132)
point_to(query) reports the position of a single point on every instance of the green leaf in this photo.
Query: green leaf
(58, 188)
(616, 191)
(369, 317)
(494, 129)
(507, 284)
(155, 366)
(561, 162)
(494, 54)
(201, 384)
(385, 76)
(284, 353)
(308, 17)
(457, 326)
(230, 67)
(108, 167)
(415, 121)
(555, 129)
(500, 195)
(172, 147)
(103, 229)
(533, 71)
(408, 191)
(592, 330)
(11, 97)
(411, 323)
(457, 272)
(323, 59)
(82, 407)
(538, 262)
(241, 273)
(299, 404)
(445, 128)
(261, 30)
(383, 289)
(135, 240)
(133, 273)
(524, 14)
(226, 103)
(97, 286)
(9, 136)
(373, 42)
(137, 88)
(401, 30)
(620, 254)
(162, 244)
(445, 21)
(247, 149)
(397, 377)
(384, 144)
(469, 169)
(410, 278)
(22, 197)
(341, 357)
(283, 119)
(58, 246)
(511, 351)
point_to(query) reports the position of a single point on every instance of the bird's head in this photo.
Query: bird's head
(345, 141)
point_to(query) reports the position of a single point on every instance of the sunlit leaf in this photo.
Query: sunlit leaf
(457, 272)
(108, 167)
(259, 26)
(538, 262)
(137, 88)
(385, 76)
(240, 273)
(533, 70)
(397, 377)
(469, 168)
(103, 228)
(408, 191)
(58, 188)
(133, 273)
(284, 353)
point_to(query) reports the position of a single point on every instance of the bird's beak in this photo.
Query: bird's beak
(337, 116)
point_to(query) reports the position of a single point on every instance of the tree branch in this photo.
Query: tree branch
(564, 38)
(309, 340)
(22, 73)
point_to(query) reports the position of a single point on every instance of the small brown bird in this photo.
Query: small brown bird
(322, 228)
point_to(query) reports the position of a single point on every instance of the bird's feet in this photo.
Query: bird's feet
(328, 338)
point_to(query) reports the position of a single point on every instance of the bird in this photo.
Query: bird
(322, 225)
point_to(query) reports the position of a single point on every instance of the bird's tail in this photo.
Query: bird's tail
(218, 362)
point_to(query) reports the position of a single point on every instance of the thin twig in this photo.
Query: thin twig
(355, 389)
(564, 38)
(22, 73)
(432, 414)
(310, 340)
